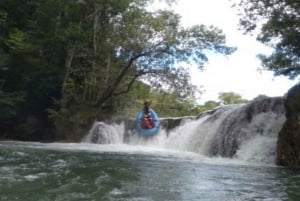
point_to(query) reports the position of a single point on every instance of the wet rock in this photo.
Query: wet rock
(263, 117)
(288, 145)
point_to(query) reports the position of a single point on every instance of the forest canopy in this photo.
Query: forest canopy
(63, 63)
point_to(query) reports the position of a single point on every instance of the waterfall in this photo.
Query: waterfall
(243, 131)
(102, 133)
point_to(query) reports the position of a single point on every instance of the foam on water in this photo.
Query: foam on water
(243, 132)
(85, 171)
(163, 154)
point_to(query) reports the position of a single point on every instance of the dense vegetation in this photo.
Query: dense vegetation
(66, 63)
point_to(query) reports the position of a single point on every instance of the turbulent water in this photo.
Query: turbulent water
(247, 132)
(226, 154)
(42, 172)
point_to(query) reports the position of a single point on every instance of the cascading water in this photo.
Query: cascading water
(246, 132)
(102, 133)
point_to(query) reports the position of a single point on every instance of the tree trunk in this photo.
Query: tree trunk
(68, 65)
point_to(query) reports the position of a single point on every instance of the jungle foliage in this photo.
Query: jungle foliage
(66, 63)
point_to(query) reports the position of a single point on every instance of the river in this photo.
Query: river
(81, 171)
(228, 154)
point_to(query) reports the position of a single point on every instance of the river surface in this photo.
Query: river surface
(62, 172)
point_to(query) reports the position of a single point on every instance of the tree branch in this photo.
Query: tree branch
(129, 85)
(110, 90)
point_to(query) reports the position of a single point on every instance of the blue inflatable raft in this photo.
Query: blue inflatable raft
(151, 131)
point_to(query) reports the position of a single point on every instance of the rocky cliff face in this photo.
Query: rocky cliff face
(288, 145)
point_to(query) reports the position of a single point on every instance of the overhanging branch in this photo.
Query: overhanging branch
(109, 92)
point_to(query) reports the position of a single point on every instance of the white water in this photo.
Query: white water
(226, 154)
(84, 171)
(229, 132)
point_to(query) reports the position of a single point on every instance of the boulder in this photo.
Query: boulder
(288, 145)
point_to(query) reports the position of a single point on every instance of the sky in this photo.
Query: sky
(238, 72)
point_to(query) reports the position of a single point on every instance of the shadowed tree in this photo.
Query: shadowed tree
(74, 58)
(130, 43)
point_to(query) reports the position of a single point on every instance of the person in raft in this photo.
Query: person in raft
(147, 120)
